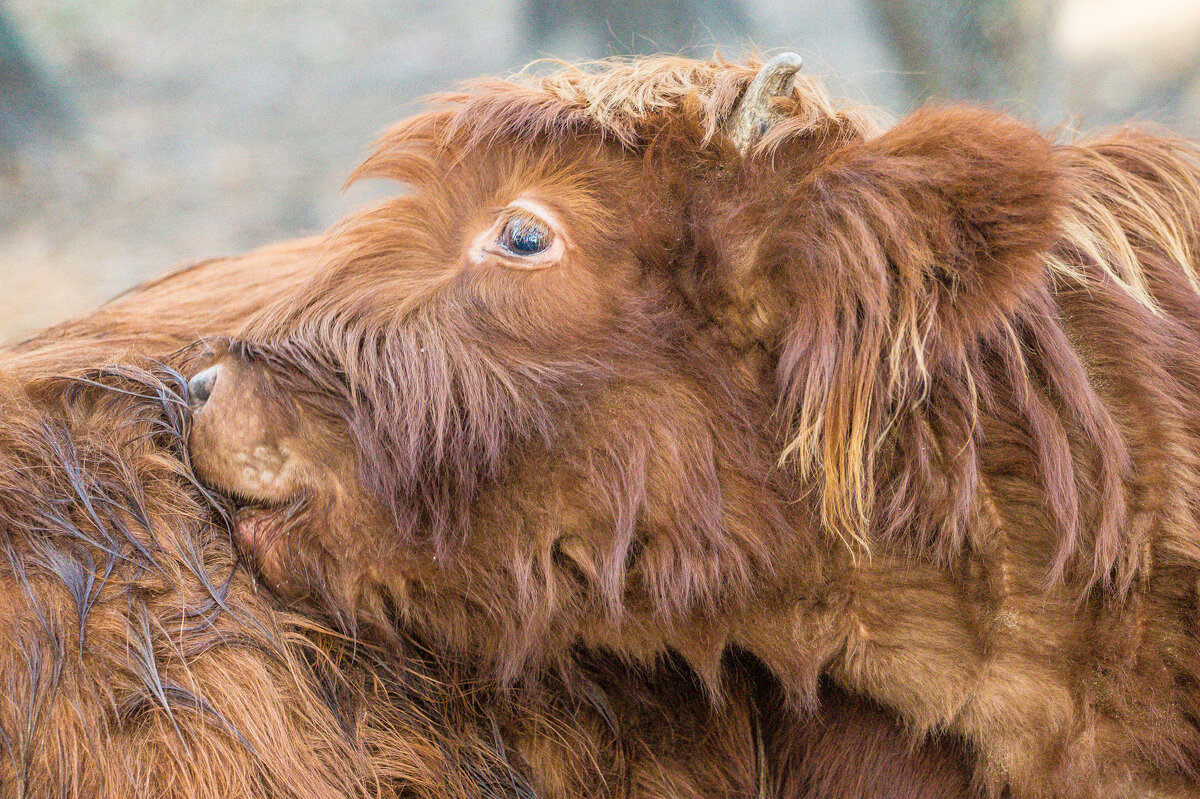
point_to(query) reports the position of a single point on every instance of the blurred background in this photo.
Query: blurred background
(136, 134)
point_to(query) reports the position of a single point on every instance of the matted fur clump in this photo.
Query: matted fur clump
(138, 661)
(914, 409)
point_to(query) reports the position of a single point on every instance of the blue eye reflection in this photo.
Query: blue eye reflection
(524, 236)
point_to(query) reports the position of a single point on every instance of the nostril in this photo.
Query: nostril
(200, 387)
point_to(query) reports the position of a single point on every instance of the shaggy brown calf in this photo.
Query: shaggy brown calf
(139, 661)
(638, 366)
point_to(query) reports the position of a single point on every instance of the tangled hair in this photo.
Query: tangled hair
(630, 102)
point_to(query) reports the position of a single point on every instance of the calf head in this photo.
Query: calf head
(555, 394)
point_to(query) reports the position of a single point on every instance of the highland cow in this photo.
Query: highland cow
(139, 660)
(655, 358)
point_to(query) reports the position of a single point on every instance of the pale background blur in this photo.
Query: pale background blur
(136, 134)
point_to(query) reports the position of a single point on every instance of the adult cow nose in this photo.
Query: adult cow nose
(201, 385)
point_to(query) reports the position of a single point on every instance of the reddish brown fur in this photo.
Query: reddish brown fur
(158, 670)
(915, 409)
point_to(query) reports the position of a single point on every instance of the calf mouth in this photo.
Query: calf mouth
(264, 533)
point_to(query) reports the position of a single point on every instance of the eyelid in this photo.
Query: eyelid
(487, 243)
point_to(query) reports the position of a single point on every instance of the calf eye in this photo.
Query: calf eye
(525, 235)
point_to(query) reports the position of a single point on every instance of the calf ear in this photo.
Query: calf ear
(885, 265)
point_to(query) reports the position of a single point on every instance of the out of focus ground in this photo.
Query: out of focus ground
(198, 129)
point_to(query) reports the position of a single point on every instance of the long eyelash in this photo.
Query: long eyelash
(518, 214)
(508, 214)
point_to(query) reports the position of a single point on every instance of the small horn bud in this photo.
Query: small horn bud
(755, 112)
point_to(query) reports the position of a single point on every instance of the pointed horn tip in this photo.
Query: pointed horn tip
(775, 76)
(752, 114)
(784, 62)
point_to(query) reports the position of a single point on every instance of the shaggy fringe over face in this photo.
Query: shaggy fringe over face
(552, 131)
(442, 391)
